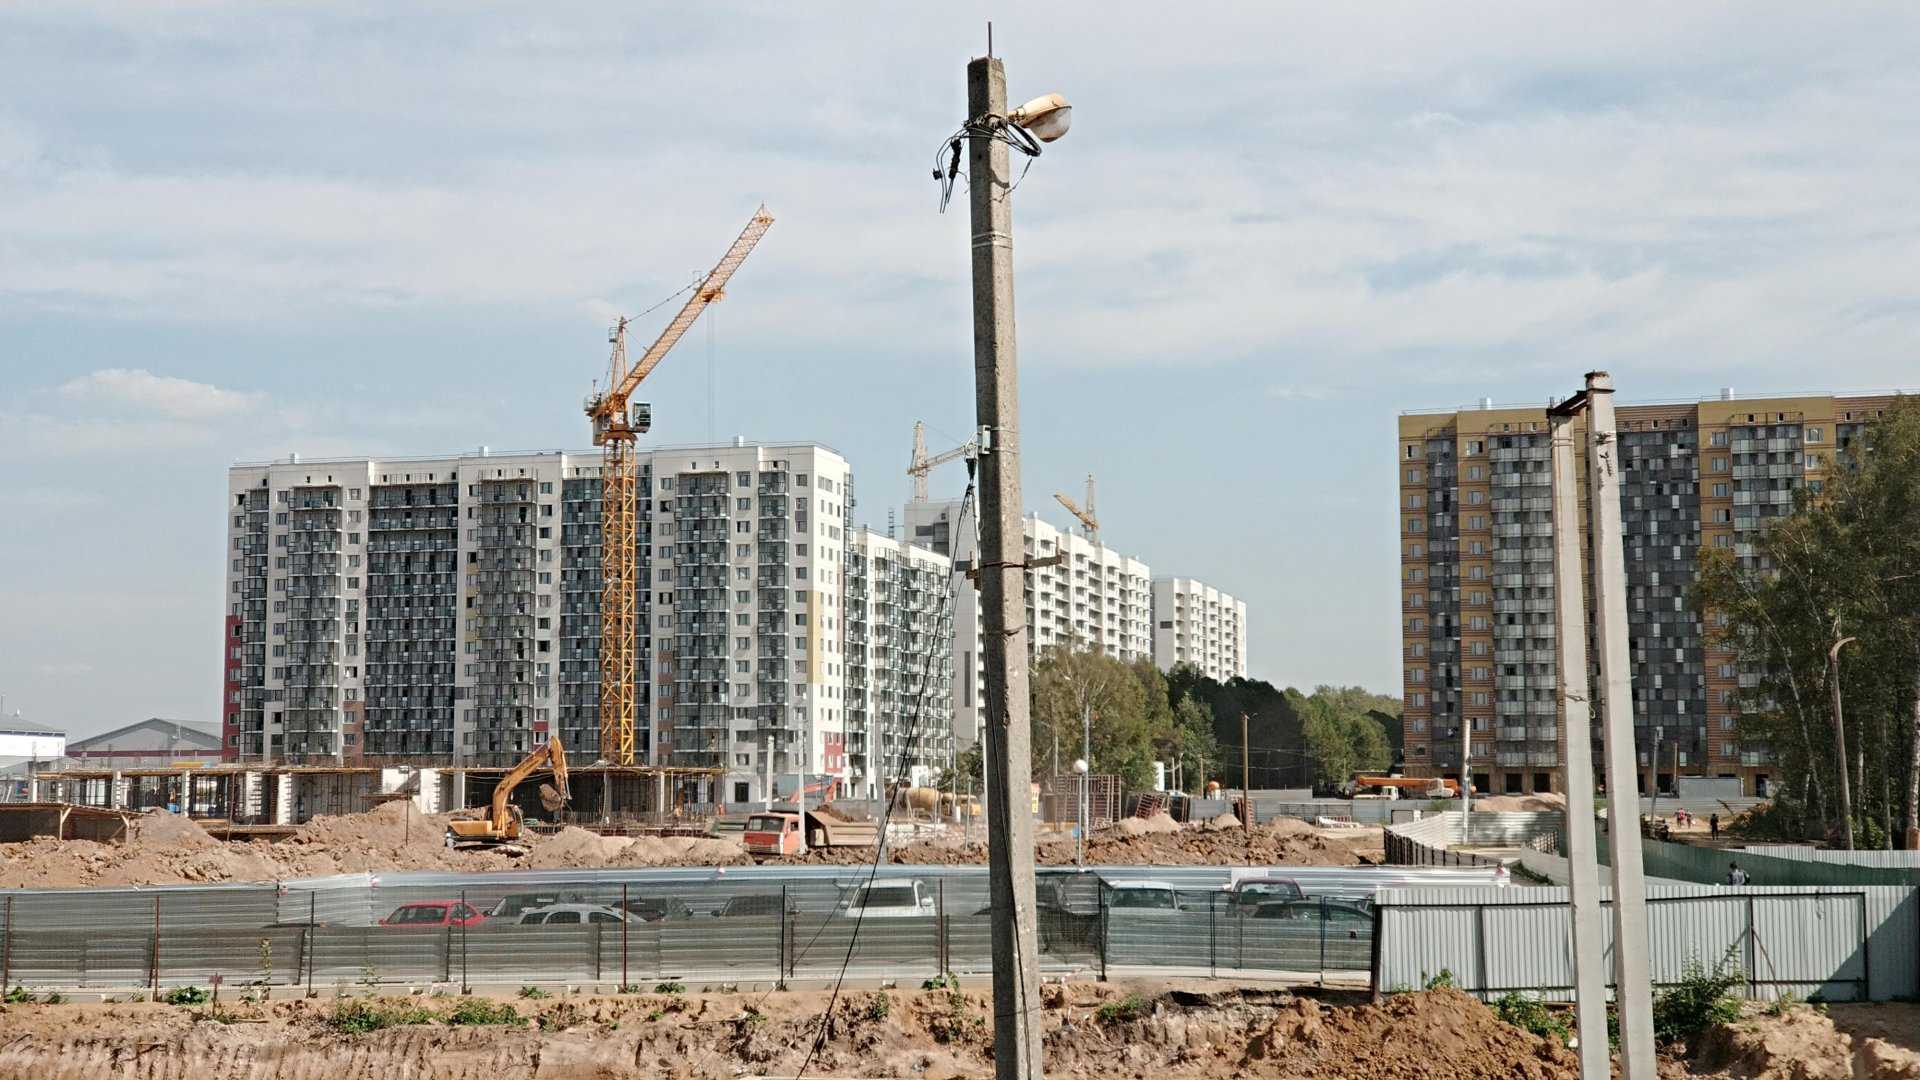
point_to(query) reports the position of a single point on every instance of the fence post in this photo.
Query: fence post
(1480, 933)
(1323, 941)
(1213, 936)
(6, 950)
(310, 950)
(1373, 972)
(1866, 954)
(1753, 937)
(153, 953)
(940, 926)
(1103, 932)
(465, 986)
(626, 919)
(785, 958)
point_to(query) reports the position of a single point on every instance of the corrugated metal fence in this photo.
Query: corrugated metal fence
(735, 925)
(1849, 943)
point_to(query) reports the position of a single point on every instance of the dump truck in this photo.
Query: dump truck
(502, 826)
(777, 832)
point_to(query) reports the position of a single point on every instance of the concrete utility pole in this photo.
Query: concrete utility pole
(1840, 736)
(1001, 575)
(1466, 768)
(1246, 780)
(1632, 974)
(1653, 773)
(1576, 727)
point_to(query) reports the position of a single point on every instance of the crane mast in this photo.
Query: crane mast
(617, 422)
(1088, 522)
(922, 464)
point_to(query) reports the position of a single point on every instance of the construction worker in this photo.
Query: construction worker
(1735, 875)
(1713, 826)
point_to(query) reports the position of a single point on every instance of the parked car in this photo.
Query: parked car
(1248, 893)
(575, 915)
(1348, 917)
(513, 905)
(887, 900)
(427, 913)
(756, 904)
(1142, 894)
(657, 908)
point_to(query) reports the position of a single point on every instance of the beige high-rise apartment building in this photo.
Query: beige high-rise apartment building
(1477, 589)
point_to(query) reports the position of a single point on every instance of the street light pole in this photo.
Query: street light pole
(1000, 573)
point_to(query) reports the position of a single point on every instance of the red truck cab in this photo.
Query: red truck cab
(772, 833)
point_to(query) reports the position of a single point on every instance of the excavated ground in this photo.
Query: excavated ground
(1156, 841)
(165, 849)
(1166, 1030)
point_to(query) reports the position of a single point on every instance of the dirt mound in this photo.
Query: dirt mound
(1099, 1030)
(1440, 1033)
(1545, 801)
(1806, 1044)
(165, 849)
(1137, 826)
(1137, 842)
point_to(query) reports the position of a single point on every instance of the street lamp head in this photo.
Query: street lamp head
(1080, 766)
(1047, 117)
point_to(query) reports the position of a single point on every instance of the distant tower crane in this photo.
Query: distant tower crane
(1088, 523)
(922, 464)
(616, 424)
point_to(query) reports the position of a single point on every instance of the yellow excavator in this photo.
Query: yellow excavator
(501, 826)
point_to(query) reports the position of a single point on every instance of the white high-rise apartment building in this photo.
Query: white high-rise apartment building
(899, 652)
(446, 609)
(1197, 624)
(1094, 598)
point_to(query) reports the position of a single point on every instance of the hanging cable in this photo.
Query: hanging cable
(942, 630)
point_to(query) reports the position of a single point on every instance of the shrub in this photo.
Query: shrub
(357, 1016)
(670, 988)
(1131, 1007)
(1442, 981)
(53, 997)
(185, 995)
(1530, 1014)
(943, 981)
(1698, 1001)
(476, 1012)
(880, 1006)
(533, 993)
(18, 995)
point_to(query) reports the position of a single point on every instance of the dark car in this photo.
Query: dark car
(657, 908)
(761, 905)
(1349, 917)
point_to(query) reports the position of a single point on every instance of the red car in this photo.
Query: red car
(435, 913)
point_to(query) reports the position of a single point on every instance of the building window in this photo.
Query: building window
(1719, 438)
(1814, 434)
(1719, 491)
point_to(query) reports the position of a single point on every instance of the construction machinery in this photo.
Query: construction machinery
(1393, 787)
(617, 423)
(922, 464)
(502, 825)
(1088, 522)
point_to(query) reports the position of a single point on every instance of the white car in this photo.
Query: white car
(574, 915)
(887, 900)
(1134, 893)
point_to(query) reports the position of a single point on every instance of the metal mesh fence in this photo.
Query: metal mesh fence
(639, 928)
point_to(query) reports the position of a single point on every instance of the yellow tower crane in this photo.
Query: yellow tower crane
(616, 423)
(1089, 523)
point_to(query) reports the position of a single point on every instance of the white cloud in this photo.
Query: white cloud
(139, 390)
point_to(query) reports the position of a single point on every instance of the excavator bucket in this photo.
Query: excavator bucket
(551, 799)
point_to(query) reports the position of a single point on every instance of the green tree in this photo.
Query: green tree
(1844, 564)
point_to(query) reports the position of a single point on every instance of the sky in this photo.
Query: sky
(233, 231)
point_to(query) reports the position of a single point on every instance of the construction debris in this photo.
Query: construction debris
(1154, 841)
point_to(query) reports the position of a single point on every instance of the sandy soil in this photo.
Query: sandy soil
(1842, 1042)
(1158, 841)
(1176, 1030)
(164, 849)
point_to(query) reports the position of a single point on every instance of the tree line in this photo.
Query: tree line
(1133, 714)
(1824, 612)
